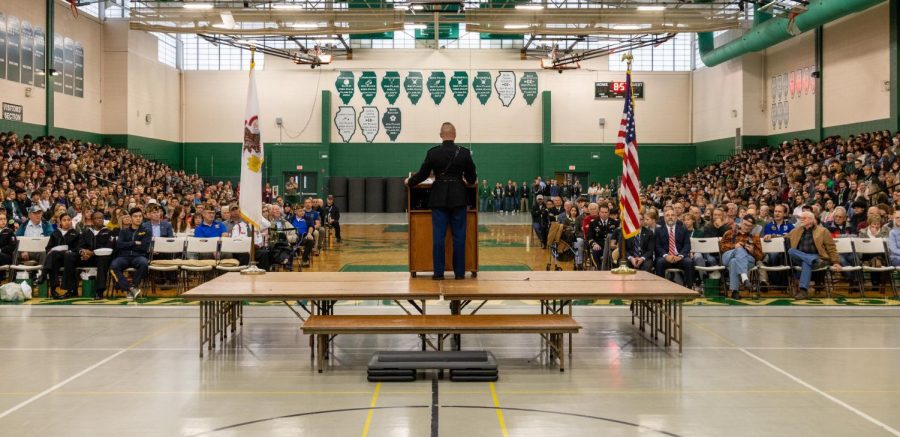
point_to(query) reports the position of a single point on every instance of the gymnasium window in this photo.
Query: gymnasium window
(167, 48)
(92, 9)
(672, 55)
(200, 54)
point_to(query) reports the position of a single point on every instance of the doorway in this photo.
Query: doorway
(306, 183)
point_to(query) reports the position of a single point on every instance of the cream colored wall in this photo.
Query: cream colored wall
(856, 65)
(115, 77)
(153, 88)
(663, 116)
(13, 92)
(293, 93)
(792, 55)
(717, 91)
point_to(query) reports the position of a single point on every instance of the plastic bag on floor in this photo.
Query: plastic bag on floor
(11, 292)
(26, 290)
(88, 274)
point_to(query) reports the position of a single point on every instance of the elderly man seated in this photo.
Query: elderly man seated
(741, 249)
(811, 247)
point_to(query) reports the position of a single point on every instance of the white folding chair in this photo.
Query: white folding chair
(172, 247)
(29, 244)
(234, 246)
(775, 246)
(877, 249)
(204, 248)
(707, 246)
(845, 247)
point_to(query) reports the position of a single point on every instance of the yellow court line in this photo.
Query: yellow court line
(499, 411)
(365, 431)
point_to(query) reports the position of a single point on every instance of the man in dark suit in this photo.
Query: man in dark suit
(453, 168)
(95, 236)
(673, 248)
(64, 235)
(639, 249)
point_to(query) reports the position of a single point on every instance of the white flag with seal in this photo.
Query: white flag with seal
(251, 160)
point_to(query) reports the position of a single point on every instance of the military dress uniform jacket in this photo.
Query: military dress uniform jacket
(450, 164)
(598, 230)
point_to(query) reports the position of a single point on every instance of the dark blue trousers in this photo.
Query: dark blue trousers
(456, 218)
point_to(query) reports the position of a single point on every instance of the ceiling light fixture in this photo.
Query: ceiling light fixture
(529, 7)
(306, 26)
(197, 5)
(651, 8)
(415, 27)
(516, 26)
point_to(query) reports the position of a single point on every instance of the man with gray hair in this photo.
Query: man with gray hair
(453, 168)
(811, 247)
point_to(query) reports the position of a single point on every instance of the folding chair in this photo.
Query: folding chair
(845, 247)
(877, 248)
(28, 244)
(774, 246)
(706, 246)
(205, 248)
(164, 245)
(233, 246)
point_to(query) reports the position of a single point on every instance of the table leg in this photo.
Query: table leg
(456, 343)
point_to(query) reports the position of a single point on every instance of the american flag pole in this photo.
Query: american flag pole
(626, 148)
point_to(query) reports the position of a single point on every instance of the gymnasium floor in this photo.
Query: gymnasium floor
(133, 370)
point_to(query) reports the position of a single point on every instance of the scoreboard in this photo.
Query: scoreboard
(616, 90)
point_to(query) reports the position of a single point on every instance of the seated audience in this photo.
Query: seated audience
(132, 250)
(811, 247)
(673, 248)
(741, 249)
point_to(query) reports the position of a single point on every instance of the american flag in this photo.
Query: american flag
(626, 147)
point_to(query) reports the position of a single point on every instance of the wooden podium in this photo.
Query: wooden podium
(419, 217)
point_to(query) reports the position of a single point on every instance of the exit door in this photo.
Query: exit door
(305, 181)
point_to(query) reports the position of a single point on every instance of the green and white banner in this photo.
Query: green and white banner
(482, 86)
(368, 86)
(27, 44)
(2, 46)
(459, 85)
(13, 50)
(437, 86)
(390, 86)
(345, 85)
(413, 86)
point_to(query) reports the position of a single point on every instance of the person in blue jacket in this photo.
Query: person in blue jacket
(307, 238)
(132, 250)
(210, 227)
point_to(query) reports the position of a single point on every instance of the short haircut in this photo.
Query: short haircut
(135, 210)
(448, 128)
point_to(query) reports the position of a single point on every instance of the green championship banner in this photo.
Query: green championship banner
(58, 63)
(345, 86)
(459, 85)
(482, 86)
(390, 86)
(413, 86)
(437, 86)
(368, 86)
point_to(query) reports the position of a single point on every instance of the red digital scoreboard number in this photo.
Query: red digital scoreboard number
(616, 90)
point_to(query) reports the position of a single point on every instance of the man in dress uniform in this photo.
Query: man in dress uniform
(453, 168)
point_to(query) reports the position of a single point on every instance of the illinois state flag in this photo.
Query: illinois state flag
(251, 159)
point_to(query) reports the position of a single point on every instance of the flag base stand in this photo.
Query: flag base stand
(623, 269)
(253, 270)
